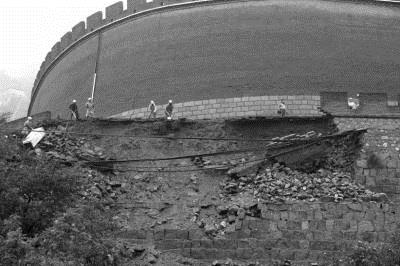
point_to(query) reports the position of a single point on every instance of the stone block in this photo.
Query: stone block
(134, 234)
(169, 244)
(324, 245)
(294, 225)
(223, 254)
(329, 224)
(301, 255)
(176, 234)
(362, 163)
(318, 225)
(365, 226)
(370, 181)
(294, 234)
(203, 254)
(367, 236)
(159, 234)
(205, 243)
(224, 244)
(244, 253)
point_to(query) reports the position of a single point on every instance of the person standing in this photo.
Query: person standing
(168, 110)
(89, 108)
(153, 109)
(74, 110)
(282, 108)
(27, 126)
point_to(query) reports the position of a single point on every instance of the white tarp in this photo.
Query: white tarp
(35, 136)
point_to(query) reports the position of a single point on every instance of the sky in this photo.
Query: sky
(29, 29)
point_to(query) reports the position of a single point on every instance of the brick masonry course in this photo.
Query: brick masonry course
(297, 105)
(302, 232)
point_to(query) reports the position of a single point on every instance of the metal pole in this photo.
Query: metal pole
(94, 85)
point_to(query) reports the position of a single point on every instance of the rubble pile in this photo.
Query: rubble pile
(103, 187)
(279, 184)
(68, 148)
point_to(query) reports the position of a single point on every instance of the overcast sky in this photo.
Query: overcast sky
(29, 29)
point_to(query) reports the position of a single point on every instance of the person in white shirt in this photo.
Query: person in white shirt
(282, 108)
(27, 126)
(89, 108)
(153, 109)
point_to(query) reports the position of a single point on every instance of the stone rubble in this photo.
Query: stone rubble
(279, 184)
(68, 148)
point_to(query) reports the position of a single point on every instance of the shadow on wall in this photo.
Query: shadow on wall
(374, 161)
(338, 103)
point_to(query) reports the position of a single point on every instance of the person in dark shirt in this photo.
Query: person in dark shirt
(74, 110)
(168, 110)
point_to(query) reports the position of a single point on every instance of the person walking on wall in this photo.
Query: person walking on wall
(74, 110)
(153, 109)
(89, 108)
(168, 110)
(27, 126)
(282, 108)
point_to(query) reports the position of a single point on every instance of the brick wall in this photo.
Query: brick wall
(297, 105)
(378, 165)
(302, 232)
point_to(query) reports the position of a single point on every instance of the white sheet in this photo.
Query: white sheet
(35, 136)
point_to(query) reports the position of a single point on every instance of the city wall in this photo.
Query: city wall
(167, 49)
(301, 232)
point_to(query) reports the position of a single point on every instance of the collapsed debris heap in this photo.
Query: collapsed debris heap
(280, 183)
(60, 145)
(326, 175)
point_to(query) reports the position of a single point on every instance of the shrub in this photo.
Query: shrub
(81, 236)
(33, 189)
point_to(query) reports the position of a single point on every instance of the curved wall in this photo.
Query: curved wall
(225, 50)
